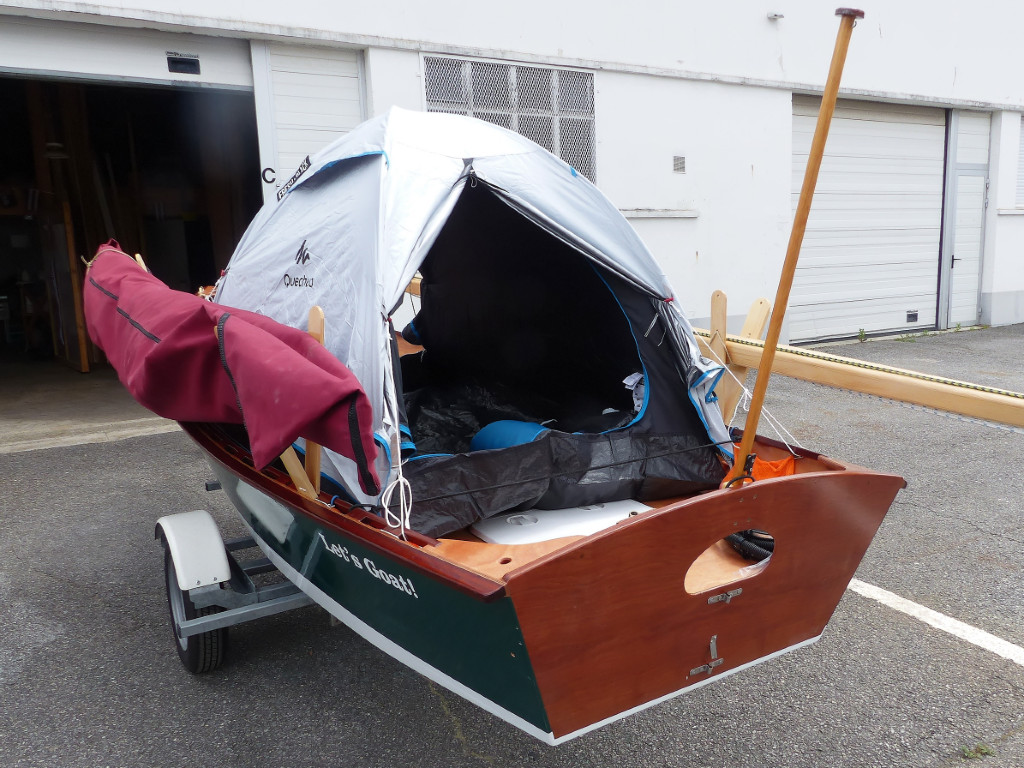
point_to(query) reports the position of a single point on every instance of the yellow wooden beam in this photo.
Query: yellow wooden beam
(964, 398)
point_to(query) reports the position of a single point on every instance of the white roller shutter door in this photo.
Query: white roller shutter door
(871, 251)
(306, 97)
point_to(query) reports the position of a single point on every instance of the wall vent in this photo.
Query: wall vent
(182, 63)
(911, 315)
(679, 164)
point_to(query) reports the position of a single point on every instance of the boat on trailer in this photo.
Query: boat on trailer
(564, 635)
(538, 505)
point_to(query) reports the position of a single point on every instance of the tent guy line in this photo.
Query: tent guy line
(973, 635)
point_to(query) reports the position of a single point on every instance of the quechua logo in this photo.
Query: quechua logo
(300, 281)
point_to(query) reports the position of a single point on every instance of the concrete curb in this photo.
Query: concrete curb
(100, 433)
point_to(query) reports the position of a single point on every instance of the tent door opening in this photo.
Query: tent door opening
(515, 325)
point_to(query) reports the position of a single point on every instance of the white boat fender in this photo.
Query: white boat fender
(196, 548)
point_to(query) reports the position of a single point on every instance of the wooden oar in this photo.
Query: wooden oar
(316, 330)
(803, 209)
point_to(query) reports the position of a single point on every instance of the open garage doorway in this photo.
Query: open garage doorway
(170, 173)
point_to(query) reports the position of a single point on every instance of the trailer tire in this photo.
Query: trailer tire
(198, 653)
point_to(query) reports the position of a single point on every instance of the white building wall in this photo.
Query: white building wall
(710, 81)
(92, 52)
(1002, 275)
(394, 78)
(724, 223)
(942, 51)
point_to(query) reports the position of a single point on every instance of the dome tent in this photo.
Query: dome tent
(538, 299)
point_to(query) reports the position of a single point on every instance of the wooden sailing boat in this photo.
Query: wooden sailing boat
(556, 633)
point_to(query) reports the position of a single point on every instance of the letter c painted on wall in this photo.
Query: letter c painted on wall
(269, 172)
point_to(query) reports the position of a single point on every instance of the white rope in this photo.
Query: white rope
(401, 520)
(392, 423)
(784, 435)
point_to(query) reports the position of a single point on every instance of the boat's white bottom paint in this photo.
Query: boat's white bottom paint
(368, 633)
(978, 637)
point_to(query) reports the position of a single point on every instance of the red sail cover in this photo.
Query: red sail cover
(189, 359)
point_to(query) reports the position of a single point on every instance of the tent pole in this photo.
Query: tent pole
(828, 104)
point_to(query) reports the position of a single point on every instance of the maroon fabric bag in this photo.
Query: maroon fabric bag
(189, 359)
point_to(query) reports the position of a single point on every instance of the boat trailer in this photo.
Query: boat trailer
(209, 588)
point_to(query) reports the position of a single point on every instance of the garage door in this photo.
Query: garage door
(871, 251)
(306, 97)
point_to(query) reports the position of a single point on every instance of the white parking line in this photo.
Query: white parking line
(978, 637)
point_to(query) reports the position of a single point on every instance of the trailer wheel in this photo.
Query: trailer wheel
(199, 653)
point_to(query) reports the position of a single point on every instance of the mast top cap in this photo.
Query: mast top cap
(857, 14)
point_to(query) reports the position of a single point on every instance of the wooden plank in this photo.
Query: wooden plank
(291, 462)
(313, 451)
(76, 292)
(730, 388)
(494, 560)
(989, 403)
(719, 320)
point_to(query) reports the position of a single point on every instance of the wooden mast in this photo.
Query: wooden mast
(828, 104)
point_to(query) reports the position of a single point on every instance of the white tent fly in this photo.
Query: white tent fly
(351, 228)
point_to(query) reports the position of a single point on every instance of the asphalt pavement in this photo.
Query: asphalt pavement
(89, 675)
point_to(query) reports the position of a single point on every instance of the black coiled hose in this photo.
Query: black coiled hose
(753, 544)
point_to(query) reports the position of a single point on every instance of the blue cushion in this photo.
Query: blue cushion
(505, 433)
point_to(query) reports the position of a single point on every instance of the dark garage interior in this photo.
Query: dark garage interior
(170, 173)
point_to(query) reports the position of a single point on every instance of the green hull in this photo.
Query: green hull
(471, 646)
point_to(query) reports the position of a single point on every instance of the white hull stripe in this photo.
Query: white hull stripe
(978, 637)
(363, 629)
(391, 648)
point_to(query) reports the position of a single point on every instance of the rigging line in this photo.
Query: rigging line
(581, 471)
(773, 422)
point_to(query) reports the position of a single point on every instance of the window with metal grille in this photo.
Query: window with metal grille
(553, 107)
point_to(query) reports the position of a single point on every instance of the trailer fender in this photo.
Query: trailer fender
(196, 548)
